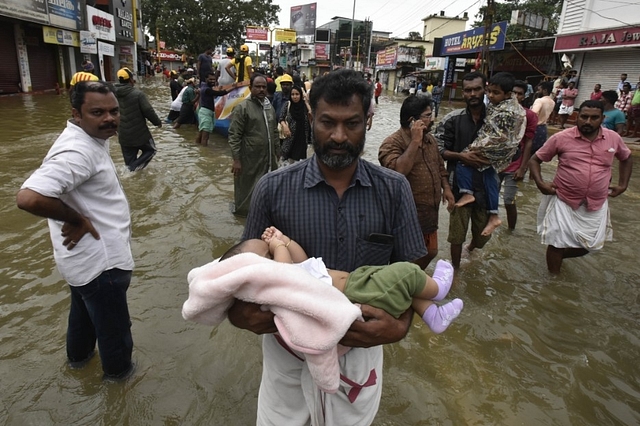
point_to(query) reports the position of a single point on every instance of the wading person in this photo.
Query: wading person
(455, 132)
(573, 218)
(133, 134)
(207, 110)
(253, 138)
(413, 151)
(295, 122)
(321, 203)
(77, 190)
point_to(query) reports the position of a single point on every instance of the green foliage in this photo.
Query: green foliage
(197, 24)
(414, 35)
(502, 12)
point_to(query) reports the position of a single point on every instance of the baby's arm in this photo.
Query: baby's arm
(291, 252)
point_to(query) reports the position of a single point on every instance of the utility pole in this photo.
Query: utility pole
(353, 23)
(488, 23)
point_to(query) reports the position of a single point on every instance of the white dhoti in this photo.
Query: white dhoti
(289, 396)
(563, 227)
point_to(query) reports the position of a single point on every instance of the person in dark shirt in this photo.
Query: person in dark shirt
(174, 85)
(207, 111)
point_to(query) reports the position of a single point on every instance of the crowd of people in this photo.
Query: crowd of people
(374, 226)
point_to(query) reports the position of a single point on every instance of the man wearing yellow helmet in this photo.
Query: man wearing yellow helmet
(241, 67)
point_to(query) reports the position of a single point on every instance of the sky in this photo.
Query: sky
(398, 17)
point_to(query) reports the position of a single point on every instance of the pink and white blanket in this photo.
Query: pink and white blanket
(310, 315)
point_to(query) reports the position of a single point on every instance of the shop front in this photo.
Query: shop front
(601, 56)
(101, 25)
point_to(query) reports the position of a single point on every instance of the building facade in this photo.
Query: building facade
(600, 42)
(43, 42)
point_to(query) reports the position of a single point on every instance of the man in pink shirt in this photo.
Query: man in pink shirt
(569, 96)
(573, 217)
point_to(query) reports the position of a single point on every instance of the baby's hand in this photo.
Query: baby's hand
(274, 243)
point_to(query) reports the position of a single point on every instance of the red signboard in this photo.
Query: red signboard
(322, 52)
(257, 33)
(602, 39)
(167, 55)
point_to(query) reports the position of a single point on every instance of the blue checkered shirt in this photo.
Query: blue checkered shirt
(298, 201)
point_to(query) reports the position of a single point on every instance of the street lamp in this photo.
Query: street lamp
(353, 21)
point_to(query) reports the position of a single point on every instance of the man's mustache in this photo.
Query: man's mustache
(108, 126)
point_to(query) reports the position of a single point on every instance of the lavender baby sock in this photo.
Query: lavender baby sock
(438, 318)
(443, 276)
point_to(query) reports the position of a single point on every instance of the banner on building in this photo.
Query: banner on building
(65, 13)
(322, 52)
(257, 33)
(601, 39)
(472, 41)
(286, 35)
(303, 20)
(168, 55)
(435, 64)
(386, 59)
(88, 43)
(63, 37)
(100, 24)
(29, 10)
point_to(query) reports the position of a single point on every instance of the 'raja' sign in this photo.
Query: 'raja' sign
(603, 39)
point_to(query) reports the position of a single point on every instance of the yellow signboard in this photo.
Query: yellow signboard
(286, 35)
(58, 36)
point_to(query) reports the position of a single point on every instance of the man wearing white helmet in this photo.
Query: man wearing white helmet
(225, 78)
(241, 67)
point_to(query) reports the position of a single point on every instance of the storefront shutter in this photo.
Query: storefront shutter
(9, 70)
(604, 67)
(42, 60)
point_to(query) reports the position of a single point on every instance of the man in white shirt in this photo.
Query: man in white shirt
(225, 79)
(76, 188)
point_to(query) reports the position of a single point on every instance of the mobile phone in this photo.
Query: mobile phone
(380, 238)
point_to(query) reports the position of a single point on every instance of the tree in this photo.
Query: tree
(414, 35)
(502, 12)
(197, 24)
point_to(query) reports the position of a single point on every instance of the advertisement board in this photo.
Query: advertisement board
(257, 33)
(63, 37)
(472, 41)
(322, 52)
(29, 10)
(286, 35)
(602, 39)
(101, 24)
(386, 59)
(303, 19)
(88, 43)
(434, 64)
(65, 13)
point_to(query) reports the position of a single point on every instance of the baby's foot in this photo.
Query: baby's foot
(443, 276)
(493, 222)
(438, 318)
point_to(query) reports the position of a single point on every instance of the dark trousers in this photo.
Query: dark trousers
(99, 311)
(130, 154)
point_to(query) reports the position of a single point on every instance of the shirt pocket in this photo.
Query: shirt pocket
(369, 253)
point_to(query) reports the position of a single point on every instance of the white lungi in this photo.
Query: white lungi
(562, 227)
(288, 395)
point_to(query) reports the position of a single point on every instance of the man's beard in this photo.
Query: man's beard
(350, 153)
(588, 130)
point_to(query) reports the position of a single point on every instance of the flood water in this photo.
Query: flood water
(528, 349)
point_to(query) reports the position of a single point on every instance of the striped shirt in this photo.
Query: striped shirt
(298, 201)
(83, 76)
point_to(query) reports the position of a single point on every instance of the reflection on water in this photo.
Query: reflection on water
(528, 349)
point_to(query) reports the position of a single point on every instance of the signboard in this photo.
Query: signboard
(602, 39)
(88, 43)
(303, 19)
(106, 49)
(65, 13)
(124, 22)
(386, 59)
(472, 41)
(168, 55)
(100, 24)
(322, 52)
(257, 33)
(58, 36)
(286, 35)
(264, 46)
(29, 10)
(433, 64)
